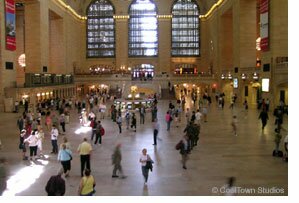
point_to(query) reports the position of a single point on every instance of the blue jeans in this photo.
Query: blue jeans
(168, 125)
(54, 146)
(144, 173)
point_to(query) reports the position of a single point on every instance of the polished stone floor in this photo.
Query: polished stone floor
(220, 154)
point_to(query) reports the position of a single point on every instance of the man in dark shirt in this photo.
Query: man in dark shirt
(56, 185)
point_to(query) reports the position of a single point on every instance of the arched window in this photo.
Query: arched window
(143, 26)
(185, 28)
(100, 29)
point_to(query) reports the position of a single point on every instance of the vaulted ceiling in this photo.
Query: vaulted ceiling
(81, 5)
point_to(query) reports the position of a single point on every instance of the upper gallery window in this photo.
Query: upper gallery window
(100, 29)
(143, 26)
(185, 28)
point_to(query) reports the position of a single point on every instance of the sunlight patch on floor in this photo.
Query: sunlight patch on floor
(24, 178)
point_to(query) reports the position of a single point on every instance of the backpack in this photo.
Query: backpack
(102, 131)
(178, 146)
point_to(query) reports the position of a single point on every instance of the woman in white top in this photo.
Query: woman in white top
(143, 159)
(32, 140)
(40, 137)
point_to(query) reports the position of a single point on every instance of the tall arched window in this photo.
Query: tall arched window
(100, 29)
(143, 26)
(185, 28)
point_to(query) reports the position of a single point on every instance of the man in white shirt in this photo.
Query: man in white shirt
(54, 136)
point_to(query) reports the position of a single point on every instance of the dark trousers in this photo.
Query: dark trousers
(141, 118)
(117, 167)
(93, 132)
(155, 136)
(54, 146)
(119, 127)
(98, 137)
(66, 165)
(33, 150)
(85, 162)
(63, 126)
(145, 173)
(264, 123)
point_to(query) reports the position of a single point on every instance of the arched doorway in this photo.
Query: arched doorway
(143, 72)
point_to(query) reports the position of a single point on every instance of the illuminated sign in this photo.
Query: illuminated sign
(235, 83)
(265, 84)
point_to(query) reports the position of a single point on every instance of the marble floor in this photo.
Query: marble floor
(220, 154)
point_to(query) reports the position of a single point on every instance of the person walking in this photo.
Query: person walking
(133, 124)
(188, 115)
(40, 137)
(99, 133)
(128, 117)
(32, 140)
(142, 115)
(119, 123)
(84, 149)
(234, 125)
(156, 127)
(20, 123)
(54, 136)
(56, 185)
(168, 120)
(65, 158)
(184, 150)
(264, 117)
(22, 144)
(116, 161)
(143, 160)
(87, 184)
(93, 125)
(62, 122)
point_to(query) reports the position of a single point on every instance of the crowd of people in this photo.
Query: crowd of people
(52, 115)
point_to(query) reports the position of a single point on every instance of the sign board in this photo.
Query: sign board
(10, 25)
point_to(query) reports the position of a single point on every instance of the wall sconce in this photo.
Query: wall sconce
(255, 76)
(223, 76)
(243, 76)
(229, 76)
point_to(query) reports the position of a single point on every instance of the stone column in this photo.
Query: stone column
(36, 36)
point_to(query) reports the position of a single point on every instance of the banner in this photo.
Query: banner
(10, 24)
(264, 29)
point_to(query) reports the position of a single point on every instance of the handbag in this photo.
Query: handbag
(71, 158)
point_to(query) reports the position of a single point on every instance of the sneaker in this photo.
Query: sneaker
(115, 176)
(123, 177)
(184, 167)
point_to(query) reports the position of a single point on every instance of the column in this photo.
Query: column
(36, 36)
